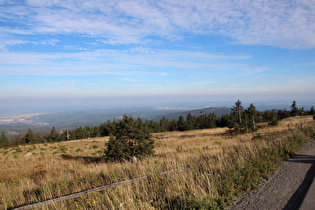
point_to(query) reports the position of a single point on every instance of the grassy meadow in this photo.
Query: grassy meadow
(223, 166)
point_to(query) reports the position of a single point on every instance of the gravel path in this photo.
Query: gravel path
(291, 187)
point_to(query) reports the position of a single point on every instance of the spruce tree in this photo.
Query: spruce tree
(236, 116)
(53, 136)
(29, 137)
(294, 109)
(311, 112)
(238, 109)
(252, 116)
(130, 138)
(3, 140)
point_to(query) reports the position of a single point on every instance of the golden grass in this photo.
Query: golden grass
(20, 174)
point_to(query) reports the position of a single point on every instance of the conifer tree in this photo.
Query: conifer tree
(238, 109)
(236, 116)
(53, 136)
(294, 109)
(29, 137)
(311, 112)
(130, 138)
(3, 140)
(181, 123)
(252, 116)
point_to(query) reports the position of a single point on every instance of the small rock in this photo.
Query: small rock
(13, 151)
(28, 154)
(133, 159)
(52, 160)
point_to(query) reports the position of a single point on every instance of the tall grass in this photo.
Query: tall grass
(222, 166)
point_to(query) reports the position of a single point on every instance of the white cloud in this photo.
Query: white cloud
(144, 61)
(287, 24)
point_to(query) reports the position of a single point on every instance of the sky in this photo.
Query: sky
(117, 52)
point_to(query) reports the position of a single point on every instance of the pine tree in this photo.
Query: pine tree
(53, 136)
(236, 117)
(3, 140)
(130, 138)
(180, 123)
(311, 112)
(294, 109)
(238, 109)
(164, 125)
(252, 116)
(274, 118)
(29, 137)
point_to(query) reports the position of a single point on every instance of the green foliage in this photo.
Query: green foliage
(63, 149)
(94, 147)
(243, 121)
(130, 138)
(29, 137)
(294, 109)
(257, 137)
(3, 140)
(79, 150)
(53, 136)
(237, 111)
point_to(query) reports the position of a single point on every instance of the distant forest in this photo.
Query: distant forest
(239, 120)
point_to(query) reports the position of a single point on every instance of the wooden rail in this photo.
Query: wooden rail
(86, 192)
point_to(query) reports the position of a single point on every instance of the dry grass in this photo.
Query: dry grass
(77, 162)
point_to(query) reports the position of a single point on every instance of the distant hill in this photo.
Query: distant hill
(97, 116)
(218, 111)
(73, 119)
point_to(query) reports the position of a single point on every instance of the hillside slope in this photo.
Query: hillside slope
(218, 111)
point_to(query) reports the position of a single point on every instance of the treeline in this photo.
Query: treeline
(239, 120)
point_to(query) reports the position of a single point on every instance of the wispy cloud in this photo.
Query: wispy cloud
(124, 62)
(274, 23)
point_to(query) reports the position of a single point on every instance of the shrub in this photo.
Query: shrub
(79, 150)
(130, 138)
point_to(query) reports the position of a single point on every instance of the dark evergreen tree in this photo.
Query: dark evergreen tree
(274, 118)
(164, 125)
(29, 137)
(173, 125)
(311, 112)
(53, 136)
(252, 117)
(3, 140)
(190, 122)
(106, 129)
(223, 121)
(63, 135)
(236, 117)
(283, 114)
(237, 110)
(80, 133)
(266, 116)
(180, 124)
(294, 109)
(211, 120)
(96, 131)
(130, 138)
(37, 139)
(87, 130)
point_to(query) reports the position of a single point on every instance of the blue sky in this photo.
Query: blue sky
(141, 51)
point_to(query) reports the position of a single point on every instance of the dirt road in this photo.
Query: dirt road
(291, 187)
